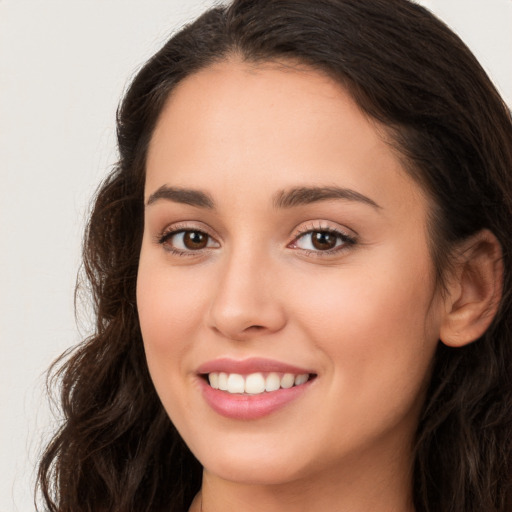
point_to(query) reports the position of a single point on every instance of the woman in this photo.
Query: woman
(301, 271)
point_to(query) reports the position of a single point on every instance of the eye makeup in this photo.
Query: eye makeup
(315, 239)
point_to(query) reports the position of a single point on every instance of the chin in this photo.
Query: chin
(250, 459)
(258, 459)
(253, 472)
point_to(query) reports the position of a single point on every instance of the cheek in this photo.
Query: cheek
(375, 325)
(357, 302)
(170, 311)
(170, 314)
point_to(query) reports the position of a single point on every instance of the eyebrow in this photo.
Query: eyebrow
(307, 195)
(182, 195)
(284, 199)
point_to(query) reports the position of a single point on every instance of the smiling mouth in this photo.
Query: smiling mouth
(255, 383)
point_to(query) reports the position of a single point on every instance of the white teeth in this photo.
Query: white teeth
(301, 379)
(236, 383)
(255, 383)
(272, 382)
(287, 380)
(214, 380)
(223, 381)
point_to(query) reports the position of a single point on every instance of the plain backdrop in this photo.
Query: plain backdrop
(63, 67)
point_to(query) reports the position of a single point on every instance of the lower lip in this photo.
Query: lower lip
(250, 407)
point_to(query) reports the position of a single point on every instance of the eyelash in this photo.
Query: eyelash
(345, 239)
(167, 234)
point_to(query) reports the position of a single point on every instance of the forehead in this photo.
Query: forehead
(271, 126)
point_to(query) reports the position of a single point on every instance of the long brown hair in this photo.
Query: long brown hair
(117, 450)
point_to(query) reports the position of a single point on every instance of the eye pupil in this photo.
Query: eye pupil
(195, 240)
(323, 240)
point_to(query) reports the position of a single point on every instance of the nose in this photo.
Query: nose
(246, 304)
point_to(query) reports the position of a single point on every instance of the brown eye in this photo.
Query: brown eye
(323, 240)
(189, 240)
(195, 240)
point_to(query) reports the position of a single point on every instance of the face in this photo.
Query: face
(285, 259)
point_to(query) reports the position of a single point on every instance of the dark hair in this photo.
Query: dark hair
(117, 450)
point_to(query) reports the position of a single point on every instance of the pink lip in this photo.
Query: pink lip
(247, 366)
(249, 407)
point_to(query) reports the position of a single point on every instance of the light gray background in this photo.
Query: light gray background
(63, 67)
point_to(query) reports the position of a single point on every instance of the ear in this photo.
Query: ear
(474, 290)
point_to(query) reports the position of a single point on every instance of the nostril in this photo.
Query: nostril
(255, 328)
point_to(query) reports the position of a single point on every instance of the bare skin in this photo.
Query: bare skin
(339, 282)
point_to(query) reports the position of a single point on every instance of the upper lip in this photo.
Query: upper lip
(248, 366)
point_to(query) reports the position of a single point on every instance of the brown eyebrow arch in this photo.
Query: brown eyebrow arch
(182, 195)
(307, 195)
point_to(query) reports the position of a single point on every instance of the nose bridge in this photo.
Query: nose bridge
(246, 301)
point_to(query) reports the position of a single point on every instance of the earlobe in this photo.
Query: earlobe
(474, 291)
